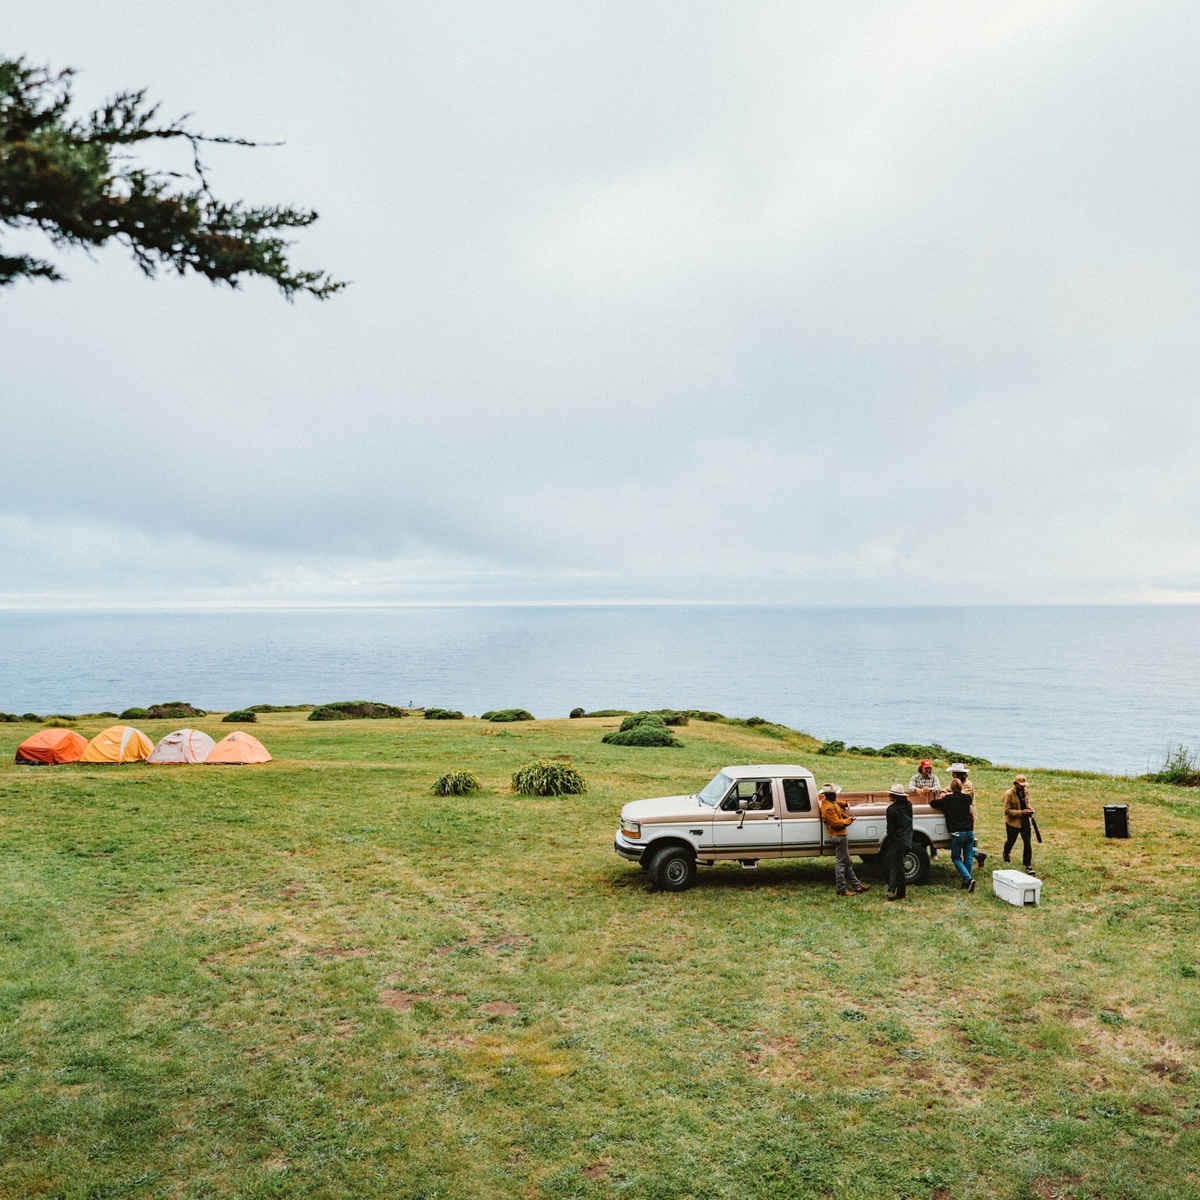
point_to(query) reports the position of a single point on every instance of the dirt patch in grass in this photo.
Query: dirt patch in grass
(596, 1171)
(499, 1008)
(1167, 1070)
(400, 1001)
(1061, 1188)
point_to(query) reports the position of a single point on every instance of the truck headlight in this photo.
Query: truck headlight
(631, 829)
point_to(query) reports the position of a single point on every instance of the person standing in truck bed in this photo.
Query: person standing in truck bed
(899, 839)
(835, 816)
(925, 778)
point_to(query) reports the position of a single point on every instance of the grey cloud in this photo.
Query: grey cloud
(770, 302)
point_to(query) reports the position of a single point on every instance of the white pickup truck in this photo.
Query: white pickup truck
(750, 813)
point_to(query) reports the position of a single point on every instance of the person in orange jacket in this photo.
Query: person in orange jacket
(835, 816)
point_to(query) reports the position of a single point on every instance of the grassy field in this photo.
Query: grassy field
(315, 979)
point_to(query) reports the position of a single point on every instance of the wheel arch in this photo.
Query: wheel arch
(665, 842)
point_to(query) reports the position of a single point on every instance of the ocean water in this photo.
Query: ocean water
(1095, 688)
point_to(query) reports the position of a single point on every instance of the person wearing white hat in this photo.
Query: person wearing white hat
(959, 771)
(899, 839)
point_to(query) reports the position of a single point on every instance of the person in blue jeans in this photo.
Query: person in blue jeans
(960, 825)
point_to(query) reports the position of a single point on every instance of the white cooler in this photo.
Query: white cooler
(1017, 888)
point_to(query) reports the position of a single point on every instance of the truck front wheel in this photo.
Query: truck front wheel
(672, 869)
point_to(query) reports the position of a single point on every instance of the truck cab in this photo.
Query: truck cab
(746, 814)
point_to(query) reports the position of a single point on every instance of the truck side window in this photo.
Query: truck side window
(795, 795)
(757, 791)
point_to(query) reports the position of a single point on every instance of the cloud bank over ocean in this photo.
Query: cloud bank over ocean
(833, 303)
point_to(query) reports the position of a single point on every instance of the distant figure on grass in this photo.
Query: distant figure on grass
(925, 779)
(960, 824)
(899, 838)
(1017, 811)
(835, 816)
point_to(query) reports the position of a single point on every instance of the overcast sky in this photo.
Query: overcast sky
(802, 302)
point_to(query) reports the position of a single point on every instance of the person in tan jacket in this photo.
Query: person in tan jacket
(835, 816)
(1017, 811)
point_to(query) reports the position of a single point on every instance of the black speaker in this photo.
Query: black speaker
(1116, 820)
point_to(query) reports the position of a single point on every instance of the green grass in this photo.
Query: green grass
(314, 979)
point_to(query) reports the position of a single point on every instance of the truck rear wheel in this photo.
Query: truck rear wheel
(673, 869)
(916, 864)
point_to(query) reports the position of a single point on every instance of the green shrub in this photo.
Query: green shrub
(442, 714)
(607, 712)
(664, 717)
(30, 717)
(244, 716)
(174, 710)
(9, 718)
(348, 710)
(752, 721)
(1179, 768)
(831, 747)
(509, 714)
(548, 777)
(60, 718)
(270, 708)
(133, 714)
(456, 783)
(577, 712)
(645, 729)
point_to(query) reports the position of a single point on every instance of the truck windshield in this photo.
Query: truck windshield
(716, 791)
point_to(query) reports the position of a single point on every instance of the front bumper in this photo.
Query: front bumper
(633, 853)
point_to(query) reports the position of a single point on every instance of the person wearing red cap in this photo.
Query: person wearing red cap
(925, 779)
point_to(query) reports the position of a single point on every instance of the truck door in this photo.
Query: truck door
(801, 819)
(752, 827)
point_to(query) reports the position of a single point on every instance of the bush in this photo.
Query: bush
(831, 747)
(30, 717)
(174, 710)
(577, 712)
(752, 721)
(607, 712)
(9, 718)
(442, 714)
(1179, 768)
(244, 716)
(645, 733)
(60, 718)
(269, 708)
(664, 716)
(509, 714)
(456, 783)
(548, 777)
(133, 714)
(348, 710)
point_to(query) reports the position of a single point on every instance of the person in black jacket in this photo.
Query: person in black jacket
(899, 839)
(960, 825)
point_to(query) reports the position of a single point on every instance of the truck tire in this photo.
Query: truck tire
(916, 864)
(673, 869)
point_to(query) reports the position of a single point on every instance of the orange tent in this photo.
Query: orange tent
(117, 744)
(238, 747)
(182, 746)
(52, 746)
